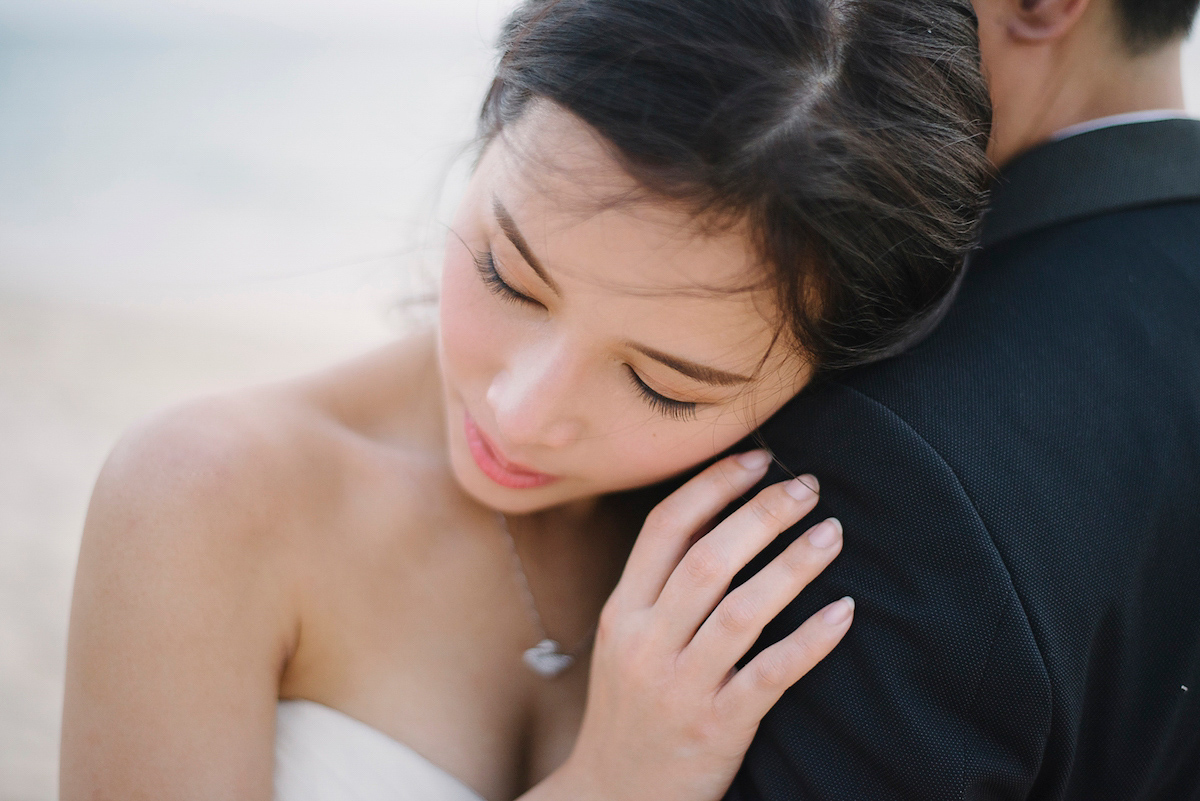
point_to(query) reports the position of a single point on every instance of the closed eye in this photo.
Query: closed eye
(675, 409)
(485, 264)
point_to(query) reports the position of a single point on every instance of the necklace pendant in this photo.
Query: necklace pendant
(547, 659)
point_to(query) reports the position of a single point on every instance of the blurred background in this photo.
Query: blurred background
(196, 195)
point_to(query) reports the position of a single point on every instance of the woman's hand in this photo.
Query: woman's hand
(669, 717)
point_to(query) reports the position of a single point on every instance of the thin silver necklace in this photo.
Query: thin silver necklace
(547, 658)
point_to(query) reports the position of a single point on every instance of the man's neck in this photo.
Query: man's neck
(1147, 83)
(1090, 88)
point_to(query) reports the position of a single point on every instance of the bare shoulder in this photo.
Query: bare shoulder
(192, 491)
(185, 609)
(205, 457)
(245, 466)
(176, 618)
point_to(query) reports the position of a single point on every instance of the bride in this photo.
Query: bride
(427, 573)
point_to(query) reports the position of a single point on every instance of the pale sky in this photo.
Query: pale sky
(374, 19)
(325, 18)
(127, 167)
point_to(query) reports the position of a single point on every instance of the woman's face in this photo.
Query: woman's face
(589, 346)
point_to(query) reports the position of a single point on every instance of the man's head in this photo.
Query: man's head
(1149, 24)
(1055, 63)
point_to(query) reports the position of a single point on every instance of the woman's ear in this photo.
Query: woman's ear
(1042, 21)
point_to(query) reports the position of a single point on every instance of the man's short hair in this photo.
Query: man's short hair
(1149, 24)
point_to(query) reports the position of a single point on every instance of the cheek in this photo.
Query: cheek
(664, 448)
(647, 448)
(657, 450)
(468, 326)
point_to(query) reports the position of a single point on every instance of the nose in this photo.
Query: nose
(534, 399)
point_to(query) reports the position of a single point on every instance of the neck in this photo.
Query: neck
(569, 523)
(1084, 85)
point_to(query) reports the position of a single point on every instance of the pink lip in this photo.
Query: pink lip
(495, 466)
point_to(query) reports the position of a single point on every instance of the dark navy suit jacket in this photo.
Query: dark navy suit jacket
(1021, 501)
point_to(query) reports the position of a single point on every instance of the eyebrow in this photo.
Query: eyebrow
(514, 235)
(700, 372)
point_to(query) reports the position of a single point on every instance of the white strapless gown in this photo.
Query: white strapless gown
(322, 754)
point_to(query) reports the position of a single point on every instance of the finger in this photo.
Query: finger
(739, 619)
(702, 577)
(669, 527)
(753, 690)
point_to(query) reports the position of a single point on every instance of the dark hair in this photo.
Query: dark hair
(849, 134)
(1149, 24)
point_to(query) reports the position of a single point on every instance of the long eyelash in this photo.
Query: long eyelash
(675, 409)
(485, 264)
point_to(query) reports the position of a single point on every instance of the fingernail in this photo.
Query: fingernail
(754, 460)
(802, 488)
(839, 611)
(826, 534)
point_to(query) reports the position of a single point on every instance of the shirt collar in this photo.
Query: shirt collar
(1129, 118)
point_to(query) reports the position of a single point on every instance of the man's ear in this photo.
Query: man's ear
(1042, 21)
